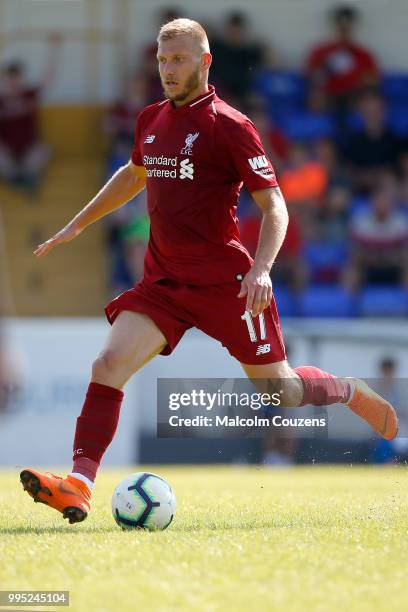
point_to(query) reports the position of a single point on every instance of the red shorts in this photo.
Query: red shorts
(214, 309)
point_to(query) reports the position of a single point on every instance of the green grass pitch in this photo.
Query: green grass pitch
(243, 538)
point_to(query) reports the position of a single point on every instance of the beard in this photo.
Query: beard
(192, 83)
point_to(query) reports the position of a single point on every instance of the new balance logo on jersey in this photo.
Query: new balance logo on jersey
(263, 349)
(186, 169)
(260, 165)
(149, 139)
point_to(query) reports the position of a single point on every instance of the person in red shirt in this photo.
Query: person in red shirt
(193, 152)
(23, 154)
(342, 67)
(119, 121)
(379, 241)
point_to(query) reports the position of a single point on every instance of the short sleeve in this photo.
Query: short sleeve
(136, 156)
(248, 156)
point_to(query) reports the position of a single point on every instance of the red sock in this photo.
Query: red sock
(321, 388)
(96, 427)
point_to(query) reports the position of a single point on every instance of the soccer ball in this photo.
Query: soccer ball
(143, 500)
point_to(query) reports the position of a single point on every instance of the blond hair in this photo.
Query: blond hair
(185, 27)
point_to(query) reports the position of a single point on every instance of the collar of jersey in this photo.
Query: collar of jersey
(202, 100)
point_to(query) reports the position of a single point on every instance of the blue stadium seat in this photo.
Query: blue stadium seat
(284, 91)
(286, 301)
(281, 84)
(307, 127)
(354, 122)
(326, 301)
(377, 301)
(360, 204)
(398, 120)
(325, 258)
(395, 87)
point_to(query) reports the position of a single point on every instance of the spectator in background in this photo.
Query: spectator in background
(333, 218)
(128, 227)
(326, 153)
(341, 67)
(128, 234)
(8, 373)
(403, 176)
(387, 372)
(303, 180)
(379, 236)
(394, 390)
(373, 148)
(236, 58)
(403, 163)
(135, 236)
(275, 143)
(120, 121)
(289, 267)
(326, 250)
(403, 186)
(23, 154)
(317, 102)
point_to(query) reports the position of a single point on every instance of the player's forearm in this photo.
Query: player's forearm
(122, 187)
(273, 227)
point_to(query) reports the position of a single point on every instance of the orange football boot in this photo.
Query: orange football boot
(67, 495)
(374, 409)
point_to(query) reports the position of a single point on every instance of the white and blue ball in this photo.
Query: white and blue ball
(145, 501)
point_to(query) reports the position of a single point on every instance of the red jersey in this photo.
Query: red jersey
(197, 157)
(345, 67)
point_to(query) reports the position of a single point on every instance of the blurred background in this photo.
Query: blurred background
(325, 83)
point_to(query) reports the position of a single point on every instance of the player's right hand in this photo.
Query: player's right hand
(67, 234)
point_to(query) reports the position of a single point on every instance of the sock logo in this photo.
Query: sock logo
(78, 451)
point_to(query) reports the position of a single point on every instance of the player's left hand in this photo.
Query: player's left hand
(257, 286)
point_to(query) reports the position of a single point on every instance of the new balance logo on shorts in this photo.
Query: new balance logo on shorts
(260, 165)
(263, 349)
(186, 169)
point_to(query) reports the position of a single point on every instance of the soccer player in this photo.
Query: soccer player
(193, 152)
